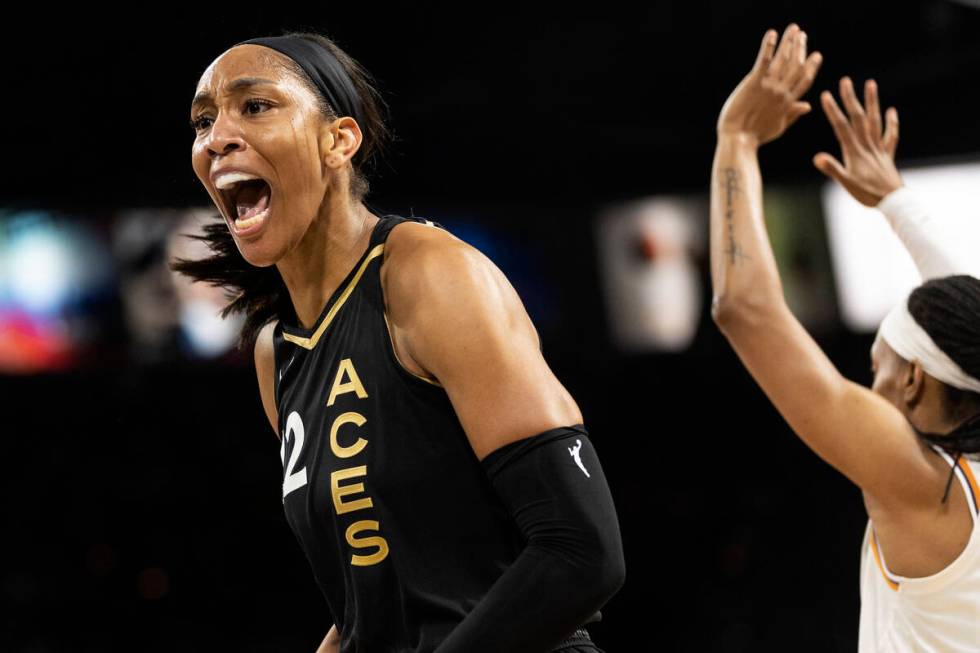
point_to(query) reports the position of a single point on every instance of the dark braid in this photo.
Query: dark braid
(948, 309)
(260, 293)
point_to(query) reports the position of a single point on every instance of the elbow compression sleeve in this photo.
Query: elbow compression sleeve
(572, 563)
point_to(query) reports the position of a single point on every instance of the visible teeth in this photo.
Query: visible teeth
(255, 219)
(229, 179)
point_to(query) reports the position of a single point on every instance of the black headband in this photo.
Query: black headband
(323, 69)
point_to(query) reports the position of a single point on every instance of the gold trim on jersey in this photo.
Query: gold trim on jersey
(310, 343)
(395, 352)
(972, 488)
(971, 481)
(881, 566)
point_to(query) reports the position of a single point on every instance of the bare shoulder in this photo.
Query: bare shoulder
(424, 263)
(413, 247)
(439, 289)
(265, 370)
(456, 316)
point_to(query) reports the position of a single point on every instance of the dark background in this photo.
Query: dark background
(141, 503)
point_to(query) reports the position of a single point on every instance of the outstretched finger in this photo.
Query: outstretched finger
(766, 50)
(810, 69)
(784, 52)
(890, 140)
(842, 128)
(797, 63)
(873, 110)
(859, 119)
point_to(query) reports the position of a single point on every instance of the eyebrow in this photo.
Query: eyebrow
(234, 85)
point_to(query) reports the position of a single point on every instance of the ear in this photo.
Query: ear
(339, 142)
(914, 384)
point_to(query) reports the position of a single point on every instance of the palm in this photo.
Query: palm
(766, 102)
(868, 150)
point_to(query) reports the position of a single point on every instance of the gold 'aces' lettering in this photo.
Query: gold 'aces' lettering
(339, 491)
(353, 383)
(341, 451)
(365, 542)
(371, 548)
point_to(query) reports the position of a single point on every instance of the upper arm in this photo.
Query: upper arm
(851, 427)
(265, 370)
(463, 322)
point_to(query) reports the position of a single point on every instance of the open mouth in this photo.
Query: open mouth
(247, 202)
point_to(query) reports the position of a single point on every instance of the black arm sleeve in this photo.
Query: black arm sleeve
(572, 563)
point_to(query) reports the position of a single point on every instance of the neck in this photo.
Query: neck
(929, 415)
(331, 246)
(933, 423)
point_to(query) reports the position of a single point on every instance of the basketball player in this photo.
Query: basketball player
(435, 472)
(904, 441)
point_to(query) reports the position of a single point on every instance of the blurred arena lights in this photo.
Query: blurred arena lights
(872, 269)
(53, 273)
(650, 276)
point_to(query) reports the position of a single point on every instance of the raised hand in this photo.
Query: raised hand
(868, 172)
(767, 101)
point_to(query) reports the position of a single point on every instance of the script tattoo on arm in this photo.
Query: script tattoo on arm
(730, 182)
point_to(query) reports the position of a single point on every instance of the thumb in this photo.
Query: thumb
(830, 166)
(796, 111)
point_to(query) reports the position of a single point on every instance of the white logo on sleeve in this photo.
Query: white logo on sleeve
(578, 457)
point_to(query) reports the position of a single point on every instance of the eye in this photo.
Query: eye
(256, 103)
(197, 124)
(252, 106)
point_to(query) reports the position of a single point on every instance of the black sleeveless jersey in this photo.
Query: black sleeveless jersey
(387, 499)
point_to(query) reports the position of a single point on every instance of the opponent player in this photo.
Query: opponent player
(903, 441)
(429, 472)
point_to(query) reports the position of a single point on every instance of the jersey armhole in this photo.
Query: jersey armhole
(969, 555)
(393, 355)
(389, 338)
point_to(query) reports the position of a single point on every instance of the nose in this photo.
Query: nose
(224, 137)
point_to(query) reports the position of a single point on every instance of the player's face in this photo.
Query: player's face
(890, 373)
(259, 118)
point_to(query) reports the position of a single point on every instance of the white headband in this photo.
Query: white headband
(910, 341)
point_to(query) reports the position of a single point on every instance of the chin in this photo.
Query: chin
(259, 253)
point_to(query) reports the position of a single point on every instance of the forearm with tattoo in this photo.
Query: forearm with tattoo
(742, 263)
(729, 180)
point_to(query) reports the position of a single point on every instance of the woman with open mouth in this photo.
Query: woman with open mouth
(437, 475)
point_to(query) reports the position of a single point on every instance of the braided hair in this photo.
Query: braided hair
(948, 309)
